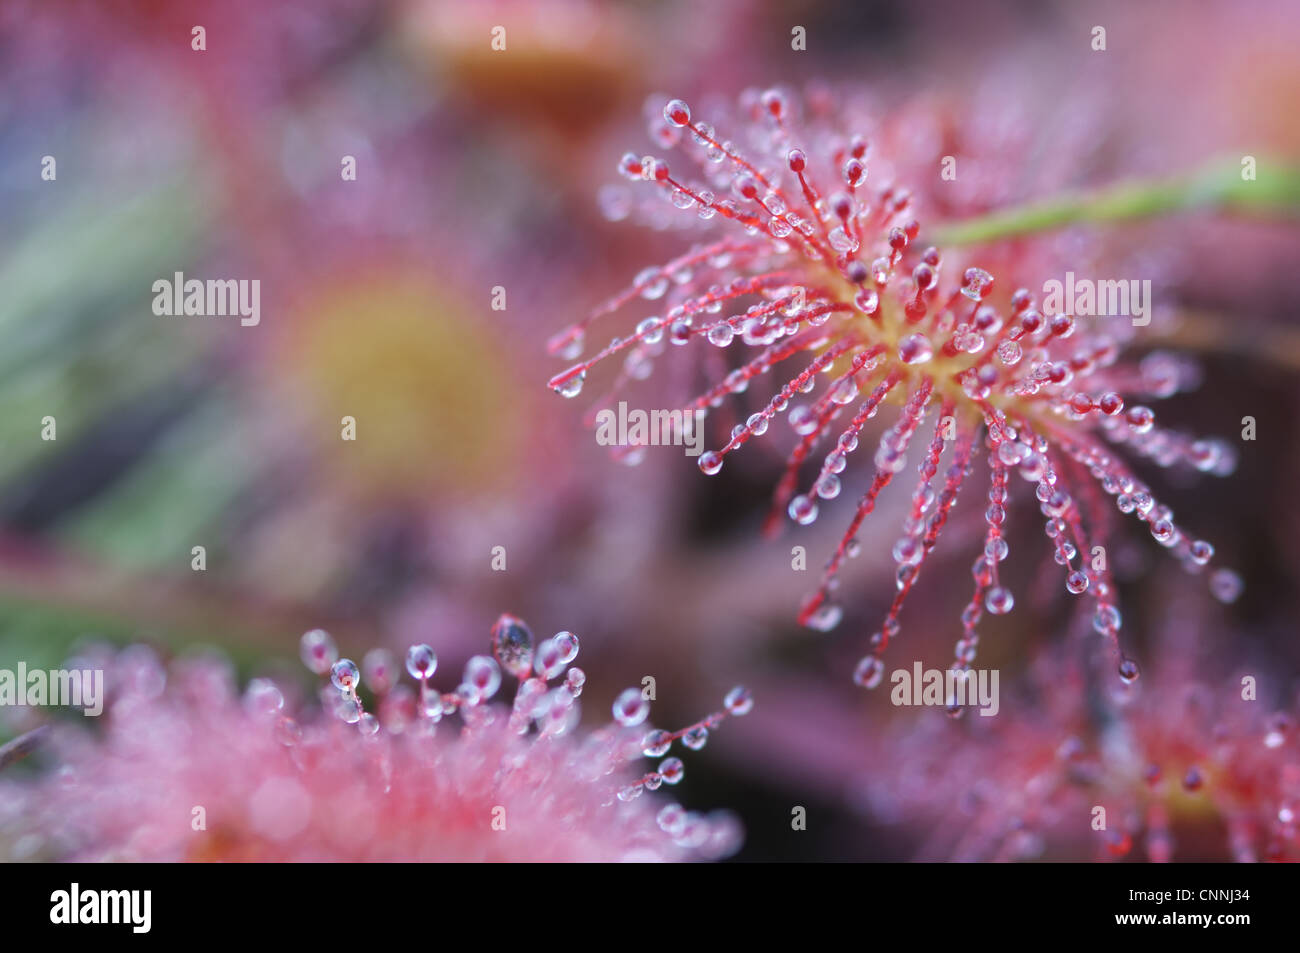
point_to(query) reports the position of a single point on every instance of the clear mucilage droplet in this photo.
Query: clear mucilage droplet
(802, 510)
(739, 701)
(999, 600)
(574, 679)
(672, 770)
(345, 675)
(976, 283)
(696, 738)
(421, 662)
(262, 697)
(567, 643)
(512, 645)
(482, 678)
(379, 670)
(915, 349)
(826, 617)
(631, 707)
(318, 651)
(657, 743)
(548, 659)
(571, 387)
(869, 672)
(710, 462)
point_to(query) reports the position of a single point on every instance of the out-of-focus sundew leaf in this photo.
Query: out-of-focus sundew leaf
(68, 268)
(69, 284)
(125, 360)
(154, 516)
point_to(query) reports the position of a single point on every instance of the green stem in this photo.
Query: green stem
(22, 746)
(1275, 191)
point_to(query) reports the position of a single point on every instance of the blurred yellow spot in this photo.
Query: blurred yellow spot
(436, 403)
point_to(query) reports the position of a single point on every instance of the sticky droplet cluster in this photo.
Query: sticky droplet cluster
(1177, 767)
(541, 711)
(390, 768)
(809, 258)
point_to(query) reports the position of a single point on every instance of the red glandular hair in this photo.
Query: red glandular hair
(823, 281)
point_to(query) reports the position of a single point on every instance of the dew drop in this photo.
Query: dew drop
(915, 349)
(348, 708)
(318, 651)
(344, 675)
(976, 283)
(630, 166)
(670, 818)
(652, 282)
(803, 419)
(996, 549)
(650, 330)
(421, 662)
(512, 645)
(631, 707)
(803, 510)
(869, 672)
(574, 681)
(1012, 452)
(844, 392)
(482, 677)
(999, 600)
(1278, 726)
(262, 697)
(826, 617)
(721, 334)
(677, 113)
(908, 551)
(672, 770)
(827, 486)
(431, 702)
(572, 386)
(710, 462)
(1105, 619)
(567, 643)
(548, 659)
(696, 738)
(1226, 585)
(656, 743)
(739, 701)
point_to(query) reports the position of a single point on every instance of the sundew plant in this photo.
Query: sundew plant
(820, 273)
(329, 317)
(428, 776)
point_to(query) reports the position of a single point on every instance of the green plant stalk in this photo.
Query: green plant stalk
(1274, 192)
